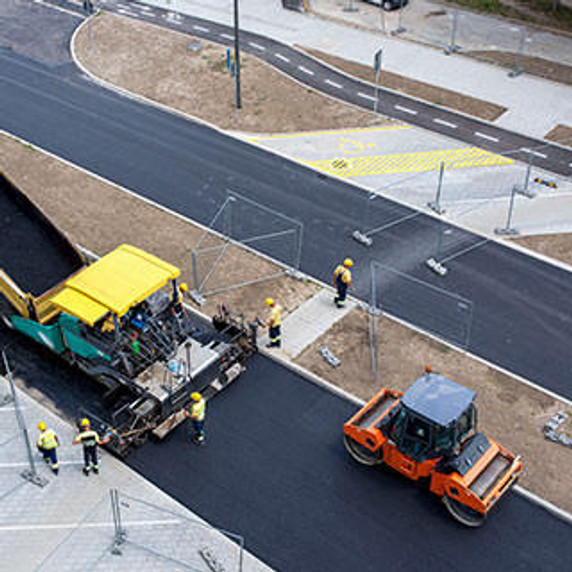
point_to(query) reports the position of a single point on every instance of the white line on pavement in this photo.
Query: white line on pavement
(227, 36)
(366, 96)
(201, 29)
(27, 527)
(334, 84)
(485, 136)
(257, 46)
(126, 12)
(305, 70)
(144, 8)
(405, 109)
(281, 57)
(15, 465)
(527, 150)
(445, 123)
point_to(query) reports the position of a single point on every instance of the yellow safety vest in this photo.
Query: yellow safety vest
(88, 438)
(346, 275)
(47, 439)
(198, 409)
(275, 317)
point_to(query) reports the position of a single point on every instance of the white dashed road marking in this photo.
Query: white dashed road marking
(281, 57)
(201, 29)
(333, 83)
(485, 136)
(305, 70)
(445, 123)
(536, 153)
(366, 96)
(227, 36)
(257, 46)
(405, 109)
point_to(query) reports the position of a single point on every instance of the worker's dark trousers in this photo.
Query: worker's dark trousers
(198, 430)
(50, 456)
(342, 287)
(274, 336)
(90, 457)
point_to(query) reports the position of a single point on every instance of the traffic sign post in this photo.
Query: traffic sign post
(377, 71)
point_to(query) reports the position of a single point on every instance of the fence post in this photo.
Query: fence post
(508, 229)
(436, 204)
(452, 47)
(518, 69)
(119, 533)
(29, 474)
(196, 283)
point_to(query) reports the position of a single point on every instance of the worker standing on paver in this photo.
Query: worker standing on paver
(196, 413)
(48, 444)
(90, 440)
(342, 280)
(274, 322)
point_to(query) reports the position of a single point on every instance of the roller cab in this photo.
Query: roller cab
(430, 432)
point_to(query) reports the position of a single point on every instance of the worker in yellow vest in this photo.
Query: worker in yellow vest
(48, 444)
(90, 440)
(274, 322)
(196, 413)
(342, 280)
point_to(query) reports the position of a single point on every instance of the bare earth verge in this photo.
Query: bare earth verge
(531, 65)
(558, 246)
(509, 411)
(560, 134)
(156, 63)
(439, 96)
(100, 216)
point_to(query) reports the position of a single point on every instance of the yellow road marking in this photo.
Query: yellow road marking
(409, 162)
(328, 132)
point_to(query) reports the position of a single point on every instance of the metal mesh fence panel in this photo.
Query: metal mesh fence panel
(221, 259)
(442, 313)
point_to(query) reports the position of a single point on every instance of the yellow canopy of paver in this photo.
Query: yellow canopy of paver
(116, 282)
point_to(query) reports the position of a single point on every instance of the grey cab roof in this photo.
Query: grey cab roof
(437, 398)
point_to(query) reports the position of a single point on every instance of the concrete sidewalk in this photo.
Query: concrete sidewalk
(68, 524)
(534, 105)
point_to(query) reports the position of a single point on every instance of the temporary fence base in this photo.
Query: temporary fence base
(33, 477)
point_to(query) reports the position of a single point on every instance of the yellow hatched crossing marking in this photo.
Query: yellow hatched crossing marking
(409, 162)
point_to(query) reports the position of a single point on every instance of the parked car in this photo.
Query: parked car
(389, 5)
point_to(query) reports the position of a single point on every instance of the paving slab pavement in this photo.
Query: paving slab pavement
(68, 524)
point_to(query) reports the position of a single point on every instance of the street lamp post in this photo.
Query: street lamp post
(236, 57)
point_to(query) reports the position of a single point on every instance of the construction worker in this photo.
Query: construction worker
(196, 413)
(273, 323)
(342, 280)
(48, 444)
(90, 440)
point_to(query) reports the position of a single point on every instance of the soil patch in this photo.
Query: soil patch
(509, 411)
(557, 246)
(531, 65)
(560, 134)
(159, 65)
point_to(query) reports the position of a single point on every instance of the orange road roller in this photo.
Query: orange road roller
(430, 432)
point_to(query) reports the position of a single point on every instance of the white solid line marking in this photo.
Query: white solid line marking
(201, 29)
(27, 527)
(527, 150)
(405, 109)
(305, 70)
(334, 84)
(281, 57)
(366, 96)
(227, 36)
(445, 123)
(257, 46)
(39, 462)
(485, 136)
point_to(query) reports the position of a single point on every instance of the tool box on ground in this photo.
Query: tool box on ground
(120, 319)
(429, 432)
